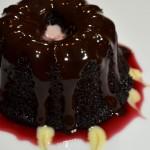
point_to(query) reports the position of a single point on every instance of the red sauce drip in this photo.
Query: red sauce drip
(112, 126)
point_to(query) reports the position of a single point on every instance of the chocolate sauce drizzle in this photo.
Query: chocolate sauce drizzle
(69, 114)
(42, 92)
(23, 25)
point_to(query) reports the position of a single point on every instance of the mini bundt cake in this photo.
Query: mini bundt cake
(74, 82)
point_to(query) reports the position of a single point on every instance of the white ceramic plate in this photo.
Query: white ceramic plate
(132, 19)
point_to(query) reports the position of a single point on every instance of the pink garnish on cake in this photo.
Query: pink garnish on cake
(53, 33)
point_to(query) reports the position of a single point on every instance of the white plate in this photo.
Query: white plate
(132, 19)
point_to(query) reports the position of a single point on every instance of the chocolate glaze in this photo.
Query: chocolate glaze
(41, 90)
(69, 114)
(23, 25)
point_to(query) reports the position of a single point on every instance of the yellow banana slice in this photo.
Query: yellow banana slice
(45, 136)
(134, 98)
(97, 138)
(136, 74)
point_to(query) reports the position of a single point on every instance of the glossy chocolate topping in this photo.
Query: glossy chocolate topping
(24, 24)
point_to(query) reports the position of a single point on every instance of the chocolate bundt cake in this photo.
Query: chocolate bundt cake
(71, 83)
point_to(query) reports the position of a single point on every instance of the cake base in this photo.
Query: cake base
(22, 94)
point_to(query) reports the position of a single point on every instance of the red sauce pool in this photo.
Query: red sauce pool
(112, 126)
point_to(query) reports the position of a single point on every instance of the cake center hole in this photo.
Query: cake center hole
(53, 33)
(58, 28)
